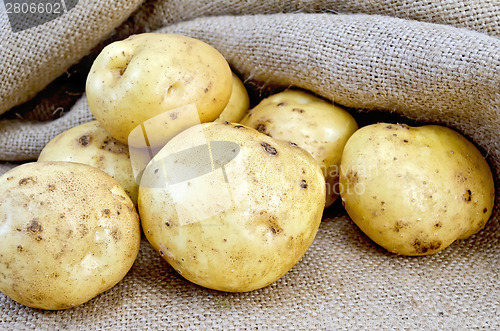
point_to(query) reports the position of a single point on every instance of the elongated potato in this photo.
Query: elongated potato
(415, 190)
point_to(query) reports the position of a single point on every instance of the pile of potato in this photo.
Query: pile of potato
(231, 198)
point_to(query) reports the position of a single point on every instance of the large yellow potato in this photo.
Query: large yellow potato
(89, 143)
(319, 127)
(238, 104)
(415, 190)
(149, 76)
(68, 232)
(230, 208)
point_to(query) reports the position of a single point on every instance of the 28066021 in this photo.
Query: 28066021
(33, 7)
(24, 14)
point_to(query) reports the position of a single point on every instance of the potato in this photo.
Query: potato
(415, 190)
(233, 212)
(154, 75)
(68, 232)
(238, 104)
(319, 127)
(89, 143)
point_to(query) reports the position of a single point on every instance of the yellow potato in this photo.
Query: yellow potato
(238, 104)
(90, 144)
(153, 76)
(233, 217)
(68, 232)
(415, 190)
(319, 127)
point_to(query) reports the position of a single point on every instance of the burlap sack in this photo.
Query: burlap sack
(421, 71)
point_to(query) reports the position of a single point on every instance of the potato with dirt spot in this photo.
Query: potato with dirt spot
(91, 144)
(415, 190)
(157, 75)
(230, 208)
(316, 125)
(68, 232)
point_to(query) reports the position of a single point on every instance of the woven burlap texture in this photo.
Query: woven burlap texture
(33, 58)
(432, 73)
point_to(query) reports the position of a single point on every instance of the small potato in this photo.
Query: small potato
(415, 190)
(68, 232)
(319, 127)
(155, 75)
(89, 143)
(230, 208)
(238, 104)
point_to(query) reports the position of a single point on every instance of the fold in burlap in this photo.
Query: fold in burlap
(427, 72)
(34, 58)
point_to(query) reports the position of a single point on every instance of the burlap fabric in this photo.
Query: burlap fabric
(393, 64)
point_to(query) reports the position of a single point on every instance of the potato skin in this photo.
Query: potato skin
(68, 232)
(316, 125)
(415, 190)
(149, 74)
(259, 224)
(91, 144)
(238, 104)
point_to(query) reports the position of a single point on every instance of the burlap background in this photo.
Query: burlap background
(420, 71)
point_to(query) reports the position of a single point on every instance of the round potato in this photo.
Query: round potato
(89, 143)
(238, 104)
(415, 190)
(68, 232)
(319, 127)
(160, 78)
(230, 208)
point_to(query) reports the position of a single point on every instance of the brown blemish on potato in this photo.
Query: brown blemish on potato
(20, 248)
(303, 184)
(261, 128)
(35, 226)
(422, 247)
(83, 229)
(389, 127)
(167, 223)
(293, 144)
(26, 181)
(51, 187)
(403, 126)
(114, 146)
(405, 140)
(239, 126)
(274, 226)
(298, 110)
(438, 225)
(84, 140)
(485, 210)
(269, 149)
(173, 115)
(116, 234)
(352, 177)
(10, 178)
(162, 253)
(400, 225)
(106, 212)
(467, 196)
(281, 104)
